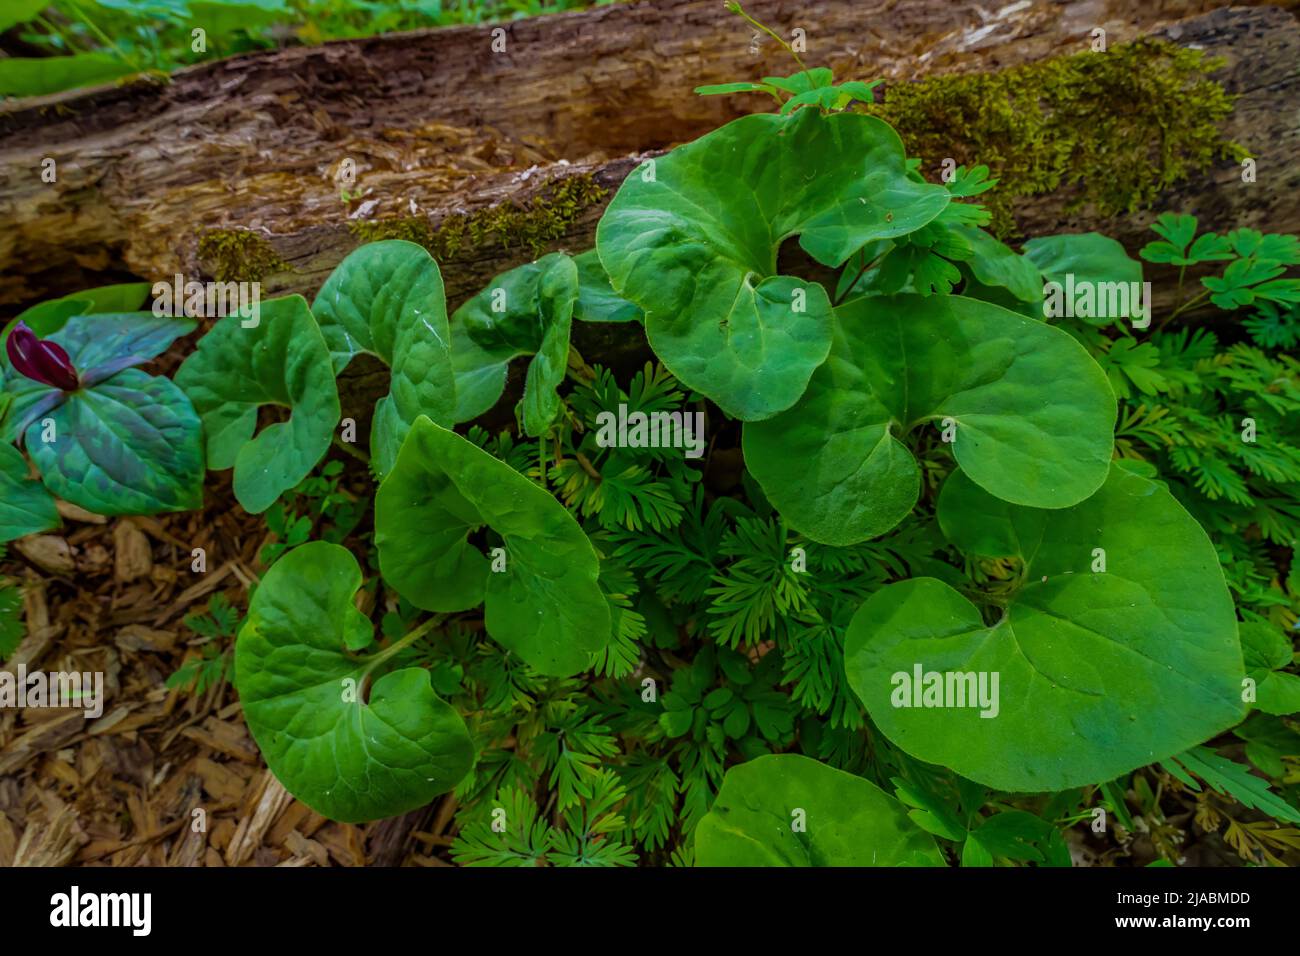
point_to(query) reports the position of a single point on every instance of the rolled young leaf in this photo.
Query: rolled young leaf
(283, 361)
(788, 810)
(557, 292)
(692, 238)
(350, 749)
(1116, 649)
(526, 311)
(541, 601)
(1031, 415)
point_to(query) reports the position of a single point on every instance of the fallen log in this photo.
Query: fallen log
(273, 166)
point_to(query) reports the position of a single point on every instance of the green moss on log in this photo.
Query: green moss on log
(508, 225)
(1126, 124)
(239, 255)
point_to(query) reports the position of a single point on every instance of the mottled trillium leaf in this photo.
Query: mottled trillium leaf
(545, 605)
(1117, 649)
(387, 299)
(25, 506)
(843, 820)
(282, 361)
(693, 238)
(1033, 415)
(102, 344)
(130, 445)
(98, 345)
(350, 749)
(526, 311)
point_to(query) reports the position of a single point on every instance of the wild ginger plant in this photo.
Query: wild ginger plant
(914, 604)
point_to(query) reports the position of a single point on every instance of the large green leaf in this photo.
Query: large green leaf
(1083, 259)
(1116, 648)
(130, 445)
(38, 75)
(526, 311)
(545, 604)
(281, 361)
(349, 749)
(20, 11)
(1033, 414)
(51, 315)
(692, 238)
(387, 299)
(788, 810)
(25, 506)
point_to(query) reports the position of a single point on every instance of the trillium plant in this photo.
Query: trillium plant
(935, 576)
(103, 434)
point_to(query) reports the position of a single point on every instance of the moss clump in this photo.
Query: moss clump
(239, 255)
(1125, 124)
(507, 225)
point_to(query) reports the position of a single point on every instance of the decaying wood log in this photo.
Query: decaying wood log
(466, 148)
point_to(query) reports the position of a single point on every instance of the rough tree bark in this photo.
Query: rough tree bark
(439, 126)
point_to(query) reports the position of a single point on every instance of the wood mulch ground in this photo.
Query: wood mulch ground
(163, 777)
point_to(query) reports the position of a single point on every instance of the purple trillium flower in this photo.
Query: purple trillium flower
(41, 361)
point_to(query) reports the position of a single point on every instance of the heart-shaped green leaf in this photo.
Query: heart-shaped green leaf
(788, 810)
(283, 361)
(526, 311)
(387, 299)
(692, 238)
(25, 506)
(1033, 415)
(542, 602)
(1084, 260)
(1117, 648)
(130, 445)
(351, 750)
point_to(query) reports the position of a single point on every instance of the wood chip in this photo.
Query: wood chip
(132, 552)
(49, 552)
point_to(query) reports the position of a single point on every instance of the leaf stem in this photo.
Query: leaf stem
(356, 453)
(1193, 301)
(861, 273)
(103, 37)
(737, 9)
(404, 642)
